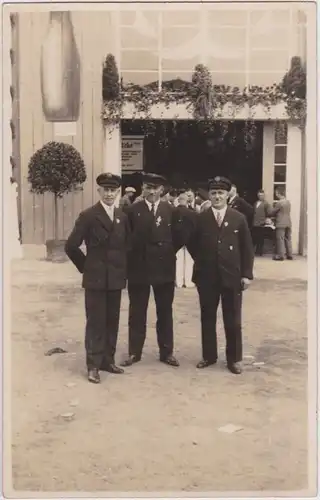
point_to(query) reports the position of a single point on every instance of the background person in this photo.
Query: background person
(261, 213)
(127, 198)
(282, 215)
(237, 203)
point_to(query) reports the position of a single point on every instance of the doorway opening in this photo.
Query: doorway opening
(188, 153)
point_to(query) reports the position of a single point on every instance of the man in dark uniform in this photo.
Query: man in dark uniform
(105, 231)
(235, 201)
(158, 232)
(222, 249)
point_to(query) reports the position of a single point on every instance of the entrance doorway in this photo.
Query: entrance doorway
(188, 153)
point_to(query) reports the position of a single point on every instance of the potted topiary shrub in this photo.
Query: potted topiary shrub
(56, 168)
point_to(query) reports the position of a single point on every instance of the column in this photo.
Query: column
(294, 180)
(268, 160)
(112, 151)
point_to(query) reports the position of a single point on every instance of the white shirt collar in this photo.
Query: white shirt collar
(232, 198)
(149, 205)
(222, 212)
(108, 209)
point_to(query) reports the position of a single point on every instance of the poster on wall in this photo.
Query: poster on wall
(131, 154)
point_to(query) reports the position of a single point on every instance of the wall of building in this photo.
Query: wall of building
(95, 38)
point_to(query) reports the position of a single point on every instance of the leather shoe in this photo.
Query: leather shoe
(130, 360)
(234, 368)
(93, 376)
(111, 368)
(204, 363)
(169, 360)
(289, 258)
(279, 259)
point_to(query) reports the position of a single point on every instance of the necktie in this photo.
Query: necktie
(219, 219)
(153, 209)
(110, 213)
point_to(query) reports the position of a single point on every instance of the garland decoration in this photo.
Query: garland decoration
(206, 100)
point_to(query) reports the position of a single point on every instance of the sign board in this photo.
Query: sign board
(131, 153)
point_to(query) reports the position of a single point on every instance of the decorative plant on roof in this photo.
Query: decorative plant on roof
(294, 84)
(111, 88)
(206, 99)
(201, 92)
(56, 168)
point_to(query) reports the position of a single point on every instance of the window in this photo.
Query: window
(247, 46)
(280, 157)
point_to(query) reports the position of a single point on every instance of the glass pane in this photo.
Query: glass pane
(183, 64)
(142, 78)
(282, 187)
(264, 60)
(280, 173)
(218, 17)
(181, 17)
(173, 75)
(131, 39)
(232, 65)
(226, 41)
(271, 39)
(280, 154)
(143, 20)
(265, 79)
(263, 20)
(281, 132)
(229, 79)
(181, 38)
(138, 59)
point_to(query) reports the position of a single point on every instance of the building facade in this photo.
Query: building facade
(242, 45)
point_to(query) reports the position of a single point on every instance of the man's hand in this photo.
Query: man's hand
(245, 282)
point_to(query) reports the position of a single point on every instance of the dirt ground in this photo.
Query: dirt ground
(155, 428)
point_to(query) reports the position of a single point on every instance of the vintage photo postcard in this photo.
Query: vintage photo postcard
(160, 264)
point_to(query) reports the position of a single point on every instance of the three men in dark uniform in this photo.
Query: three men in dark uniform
(105, 231)
(158, 231)
(222, 249)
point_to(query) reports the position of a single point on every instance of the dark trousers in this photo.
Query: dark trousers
(102, 312)
(138, 306)
(258, 234)
(231, 301)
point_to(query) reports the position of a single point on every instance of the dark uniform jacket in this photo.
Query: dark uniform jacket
(221, 254)
(104, 267)
(243, 207)
(155, 241)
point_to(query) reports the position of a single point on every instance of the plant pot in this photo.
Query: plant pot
(55, 251)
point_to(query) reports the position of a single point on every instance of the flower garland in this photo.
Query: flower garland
(205, 99)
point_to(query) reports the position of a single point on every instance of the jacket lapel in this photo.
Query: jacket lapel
(212, 218)
(103, 217)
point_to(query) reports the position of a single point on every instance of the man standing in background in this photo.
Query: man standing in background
(261, 211)
(188, 260)
(126, 200)
(239, 204)
(281, 213)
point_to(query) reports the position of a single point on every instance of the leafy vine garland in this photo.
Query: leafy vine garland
(206, 100)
